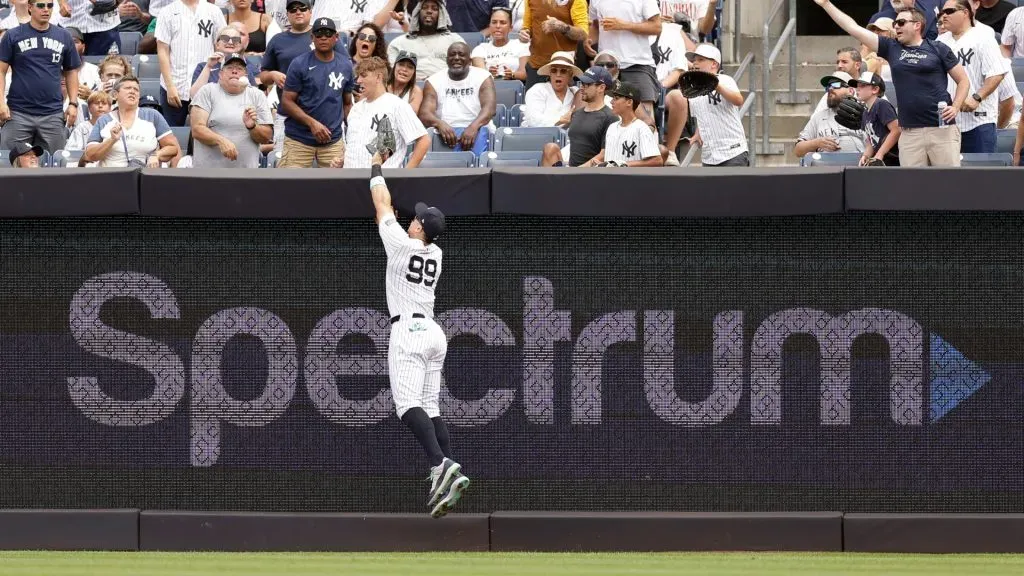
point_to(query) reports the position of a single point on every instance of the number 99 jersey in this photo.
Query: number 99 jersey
(412, 272)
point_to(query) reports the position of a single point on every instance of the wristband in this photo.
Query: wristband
(376, 181)
(376, 172)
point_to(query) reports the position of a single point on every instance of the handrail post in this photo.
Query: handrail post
(792, 52)
(766, 81)
(736, 29)
(752, 124)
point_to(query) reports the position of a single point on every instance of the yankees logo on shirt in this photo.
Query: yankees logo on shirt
(630, 143)
(348, 14)
(366, 116)
(669, 51)
(978, 52)
(189, 35)
(335, 80)
(719, 124)
(358, 6)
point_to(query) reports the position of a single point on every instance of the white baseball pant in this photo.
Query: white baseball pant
(416, 352)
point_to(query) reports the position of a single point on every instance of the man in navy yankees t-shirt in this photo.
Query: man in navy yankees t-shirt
(317, 96)
(38, 54)
(921, 70)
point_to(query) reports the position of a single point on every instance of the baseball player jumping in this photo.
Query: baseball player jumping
(417, 346)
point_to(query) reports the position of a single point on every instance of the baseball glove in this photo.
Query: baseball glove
(849, 113)
(874, 162)
(384, 141)
(694, 83)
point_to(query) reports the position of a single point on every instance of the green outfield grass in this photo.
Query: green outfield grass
(493, 564)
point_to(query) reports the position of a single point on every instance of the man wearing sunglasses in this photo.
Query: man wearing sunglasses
(930, 8)
(228, 43)
(822, 133)
(39, 55)
(98, 21)
(317, 97)
(185, 33)
(921, 70)
(284, 47)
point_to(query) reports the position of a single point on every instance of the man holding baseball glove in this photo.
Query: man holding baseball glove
(230, 119)
(837, 128)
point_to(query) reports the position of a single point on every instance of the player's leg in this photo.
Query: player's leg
(431, 404)
(407, 371)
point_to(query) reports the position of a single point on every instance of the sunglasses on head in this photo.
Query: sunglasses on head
(229, 39)
(367, 37)
(298, 8)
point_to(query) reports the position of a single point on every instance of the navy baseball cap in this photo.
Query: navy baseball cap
(22, 148)
(234, 57)
(324, 24)
(431, 219)
(149, 101)
(598, 75)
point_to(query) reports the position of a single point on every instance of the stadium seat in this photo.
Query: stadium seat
(130, 43)
(272, 159)
(515, 116)
(473, 39)
(890, 93)
(527, 139)
(831, 159)
(506, 159)
(448, 160)
(182, 133)
(509, 92)
(94, 59)
(146, 67)
(389, 36)
(1005, 139)
(150, 86)
(979, 159)
(4, 12)
(501, 116)
(1018, 68)
(66, 159)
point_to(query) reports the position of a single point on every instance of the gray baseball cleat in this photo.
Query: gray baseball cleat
(458, 486)
(441, 477)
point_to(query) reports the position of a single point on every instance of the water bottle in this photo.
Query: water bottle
(942, 106)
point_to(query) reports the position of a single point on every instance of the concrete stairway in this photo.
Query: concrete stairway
(815, 59)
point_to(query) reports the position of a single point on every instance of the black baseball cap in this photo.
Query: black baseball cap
(626, 90)
(406, 55)
(22, 148)
(306, 3)
(431, 219)
(75, 33)
(869, 79)
(324, 24)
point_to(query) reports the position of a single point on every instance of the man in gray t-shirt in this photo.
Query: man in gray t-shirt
(230, 119)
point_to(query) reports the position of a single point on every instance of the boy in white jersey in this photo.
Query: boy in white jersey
(630, 141)
(719, 126)
(417, 346)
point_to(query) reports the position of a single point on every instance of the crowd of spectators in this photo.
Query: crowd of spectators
(948, 66)
(305, 83)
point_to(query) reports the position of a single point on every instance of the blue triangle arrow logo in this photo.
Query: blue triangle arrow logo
(954, 378)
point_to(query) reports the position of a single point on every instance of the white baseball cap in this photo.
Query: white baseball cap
(707, 51)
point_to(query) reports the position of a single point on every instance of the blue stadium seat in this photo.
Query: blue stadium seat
(94, 59)
(150, 86)
(831, 159)
(979, 159)
(448, 160)
(500, 116)
(473, 39)
(146, 66)
(182, 133)
(130, 43)
(66, 158)
(506, 159)
(509, 92)
(389, 36)
(890, 93)
(1005, 139)
(1018, 68)
(4, 12)
(527, 139)
(515, 116)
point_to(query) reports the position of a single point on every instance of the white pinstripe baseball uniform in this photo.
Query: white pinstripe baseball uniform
(417, 346)
(87, 23)
(979, 54)
(720, 125)
(190, 35)
(362, 129)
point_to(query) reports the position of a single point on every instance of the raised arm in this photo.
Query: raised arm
(379, 190)
(849, 25)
